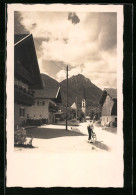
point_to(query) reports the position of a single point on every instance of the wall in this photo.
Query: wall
(38, 110)
(107, 119)
(41, 111)
(17, 118)
(51, 118)
(107, 106)
(84, 106)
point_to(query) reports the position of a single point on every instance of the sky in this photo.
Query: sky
(85, 41)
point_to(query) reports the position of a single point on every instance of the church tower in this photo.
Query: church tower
(84, 103)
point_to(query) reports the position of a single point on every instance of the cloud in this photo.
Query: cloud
(108, 36)
(104, 80)
(34, 25)
(38, 42)
(61, 75)
(50, 66)
(100, 79)
(89, 47)
(103, 29)
(18, 27)
(73, 17)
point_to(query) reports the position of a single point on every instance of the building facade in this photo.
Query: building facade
(45, 105)
(26, 76)
(83, 107)
(108, 105)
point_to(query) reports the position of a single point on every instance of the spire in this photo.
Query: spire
(84, 102)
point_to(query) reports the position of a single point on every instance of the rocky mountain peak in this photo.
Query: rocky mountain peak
(78, 86)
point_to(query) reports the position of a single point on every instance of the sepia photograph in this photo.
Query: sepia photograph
(64, 95)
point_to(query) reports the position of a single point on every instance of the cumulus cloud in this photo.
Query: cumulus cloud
(89, 47)
(51, 66)
(18, 27)
(103, 80)
(61, 75)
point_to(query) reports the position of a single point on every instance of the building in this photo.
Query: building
(27, 76)
(83, 107)
(108, 105)
(45, 105)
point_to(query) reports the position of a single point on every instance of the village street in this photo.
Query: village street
(65, 158)
(54, 138)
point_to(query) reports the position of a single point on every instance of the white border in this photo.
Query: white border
(10, 69)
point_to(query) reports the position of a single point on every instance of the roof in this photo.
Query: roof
(108, 91)
(20, 37)
(48, 93)
(26, 60)
(112, 92)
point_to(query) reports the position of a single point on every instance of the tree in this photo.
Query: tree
(81, 116)
(73, 113)
(93, 112)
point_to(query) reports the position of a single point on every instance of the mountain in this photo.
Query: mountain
(48, 81)
(78, 86)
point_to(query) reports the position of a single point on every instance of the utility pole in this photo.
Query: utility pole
(67, 100)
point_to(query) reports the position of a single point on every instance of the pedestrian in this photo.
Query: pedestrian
(90, 130)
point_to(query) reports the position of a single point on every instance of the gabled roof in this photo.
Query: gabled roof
(108, 91)
(25, 59)
(111, 92)
(20, 37)
(49, 93)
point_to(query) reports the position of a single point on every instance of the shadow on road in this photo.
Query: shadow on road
(45, 133)
(100, 145)
(110, 129)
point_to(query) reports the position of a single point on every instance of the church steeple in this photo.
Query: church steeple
(84, 102)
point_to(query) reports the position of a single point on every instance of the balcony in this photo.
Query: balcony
(52, 107)
(22, 97)
(23, 74)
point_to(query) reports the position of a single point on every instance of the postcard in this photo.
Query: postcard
(64, 120)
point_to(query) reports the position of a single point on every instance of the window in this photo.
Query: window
(22, 112)
(40, 103)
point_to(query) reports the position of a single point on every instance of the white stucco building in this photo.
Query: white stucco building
(45, 104)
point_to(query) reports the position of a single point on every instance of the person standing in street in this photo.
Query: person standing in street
(90, 130)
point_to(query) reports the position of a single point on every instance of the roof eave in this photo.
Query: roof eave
(57, 92)
(22, 40)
